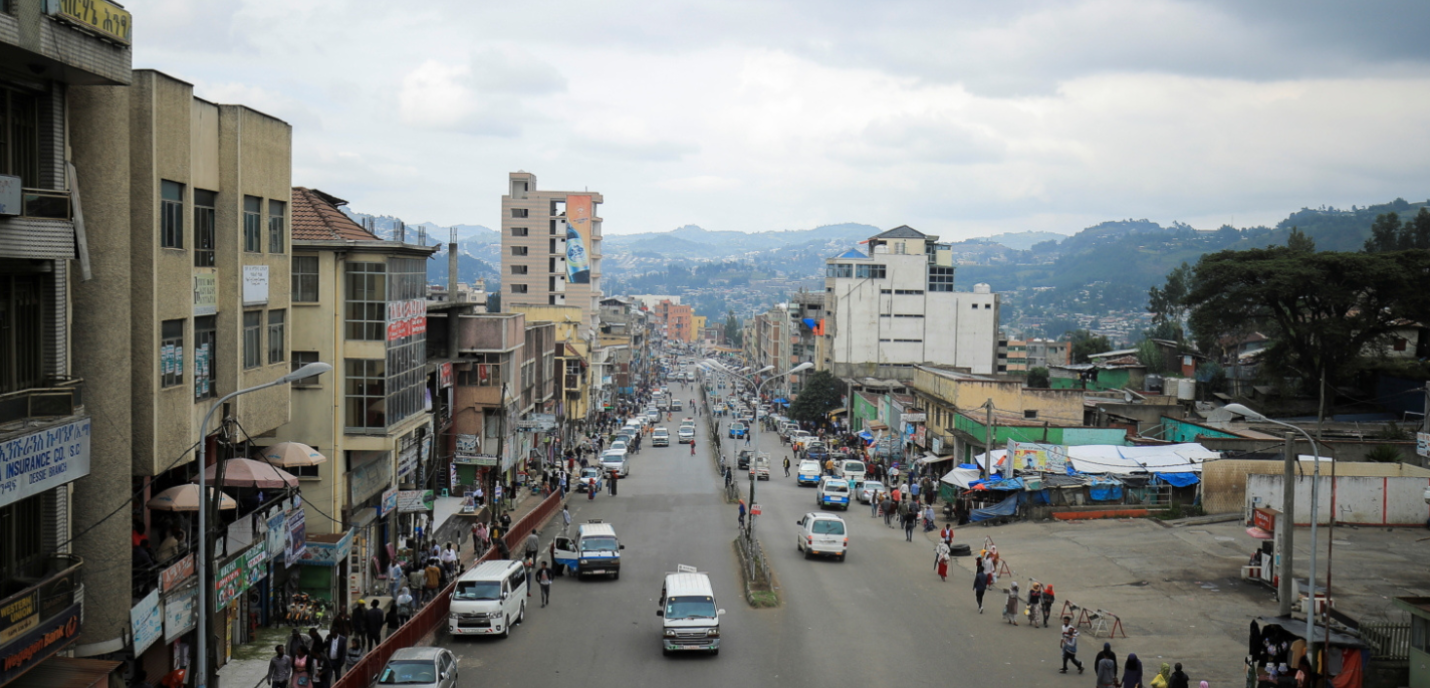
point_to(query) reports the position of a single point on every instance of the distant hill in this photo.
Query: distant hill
(1022, 241)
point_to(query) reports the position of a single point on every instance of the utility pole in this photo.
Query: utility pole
(1284, 587)
(988, 440)
(1425, 417)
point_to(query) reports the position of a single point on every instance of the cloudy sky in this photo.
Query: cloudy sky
(961, 118)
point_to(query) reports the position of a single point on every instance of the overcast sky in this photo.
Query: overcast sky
(960, 118)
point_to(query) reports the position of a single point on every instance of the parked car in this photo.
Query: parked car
(869, 488)
(420, 667)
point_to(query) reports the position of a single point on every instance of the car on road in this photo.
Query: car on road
(869, 488)
(822, 534)
(619, 447)
(687, 434)
(489, 599)
(660, 437)
(852, 470)
(762, 467)
(420, 667)
(616, 462)
(689, 617)
(595, 550)
(675, 405)
(737, 430)
(833, 493)
(808, 473)
(591, 478)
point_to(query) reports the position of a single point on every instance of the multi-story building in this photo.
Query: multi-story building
(895, 308)
(1013, 356)
(551, 248)
(678, 320)
(807, 321)
(1043, 353)
(358, 303)
(485, 352)
(64, 131)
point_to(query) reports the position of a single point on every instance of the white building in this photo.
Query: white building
(895, 307)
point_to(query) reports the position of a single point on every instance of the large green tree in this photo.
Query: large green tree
(732, 329)
(1084, 344)
(821, 394)
(1167, 304)
(1388, 234)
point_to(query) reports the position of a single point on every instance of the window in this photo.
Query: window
(277, 228)
(407, 354)
(171, 353)
(975, 306)
(519, 212)
(367, 301)
(276, 323)
(553, 245)
(20, 136)
(171, 214)
(22, 535)
(1400, 343)
(553, 228)
(518, 288)
(252, 338)
(300, 359)
(519, 231)
(22, 327)
(204, 204)
(518, 269)
(366, 394)
(205, 348)
(518, 250)
(1030, 414)
(940, 279)
(252, 221)
(987, 306)
(305, 279)
(909, 292)
(839, 270)
(869, 271)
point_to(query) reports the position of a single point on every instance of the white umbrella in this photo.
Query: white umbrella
(185, 498)
(292, 454)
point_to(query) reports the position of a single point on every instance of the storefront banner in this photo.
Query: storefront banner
(294, 546)
(328, 553)
(389, 502)
(238, 574)
(370, 478)
(407, 459)
(39, 644)
(43, 460)
(578, 228)
(414, 501)
(146, 622)
(175, 575)
(19, 615)
(444, 376)
(1029, 456)
(277, 536)
(205, 291)
(181, 610)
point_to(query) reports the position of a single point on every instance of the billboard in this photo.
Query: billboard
(1043, 458)
(578, 228)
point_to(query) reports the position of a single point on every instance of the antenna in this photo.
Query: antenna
(421, 235)
(401, 232)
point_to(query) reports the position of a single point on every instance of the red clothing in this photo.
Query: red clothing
(943, 567)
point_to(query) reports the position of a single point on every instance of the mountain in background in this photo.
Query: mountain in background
(1022, 241)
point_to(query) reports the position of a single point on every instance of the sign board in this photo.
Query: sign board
(414, 501)
(476, 460)
(1043, 458)
(238, 574)
(1422, 444)
(12, 199)
(181, 609)
(389, 502)
(755, 510)
(146, 622)
(468, 444)
(406, 318)
(328, 553)
(255, 285)
(99, 16)
(175, 575)
(1264, 519)
(277, 534)
(295, 544)
(370, 478)
(444, 375)
(205, 291)
(915, 417)
(41, 643)
(19, 615)
(41, 461)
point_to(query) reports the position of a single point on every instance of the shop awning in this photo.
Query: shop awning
(877, 425)
(66, 672)
(835, 412)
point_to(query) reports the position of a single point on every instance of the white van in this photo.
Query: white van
(851, 470)
(617, 462)
(690, 619)
(489, 599)
(594, 550)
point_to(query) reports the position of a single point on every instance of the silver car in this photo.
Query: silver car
(420, 667)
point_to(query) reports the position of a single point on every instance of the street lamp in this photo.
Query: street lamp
(206, 589)
(754, 430)
(1249, 414)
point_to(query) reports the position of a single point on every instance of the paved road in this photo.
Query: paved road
(881, 618)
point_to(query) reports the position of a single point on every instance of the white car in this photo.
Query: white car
(822, 533)
(611, 461)
(687, 434)
(660, 437)
(869, 488)
(617, 447)
(808, 473)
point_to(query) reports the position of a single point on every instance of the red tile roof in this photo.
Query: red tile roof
(316, 218)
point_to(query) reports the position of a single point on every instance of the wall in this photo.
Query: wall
(1383, 501)
(1059, 407)
(1340, 450)
(1174, 430)
(1224, 481)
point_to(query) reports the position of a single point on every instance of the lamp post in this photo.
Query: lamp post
(1249, 414)
(205, 587)
(755, 432)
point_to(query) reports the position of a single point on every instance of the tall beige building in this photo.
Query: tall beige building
(551, 249)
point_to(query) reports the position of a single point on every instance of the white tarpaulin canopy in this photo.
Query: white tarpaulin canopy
(960, 477)
(1111, 458)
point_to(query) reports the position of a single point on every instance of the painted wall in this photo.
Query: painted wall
(1174, 430)
(1224, 481)
(1383, 501)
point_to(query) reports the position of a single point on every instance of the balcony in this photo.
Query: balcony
(53, 583)
(58, 399)
(46, 205)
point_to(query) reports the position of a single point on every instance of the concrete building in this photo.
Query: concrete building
(1043, 353)
(65, 131)
(679, 321)
(895, 308)
(807, 322)
(358, 303)
(551, 248)
(570, 374)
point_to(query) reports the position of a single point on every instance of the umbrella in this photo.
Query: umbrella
(250, 473)
(292, 454)
(185, 498)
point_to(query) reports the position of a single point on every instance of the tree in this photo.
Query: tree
(1388, 234)
(1167, 304)
(1151, 355)
(494, 302)
(821, 394)
(1038, 377)
(732, 329)
(1084, 344)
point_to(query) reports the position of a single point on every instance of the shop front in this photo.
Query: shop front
(324, 571)
(371, 493)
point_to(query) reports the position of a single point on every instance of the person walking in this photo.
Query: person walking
(431, 581)
(980, 586)
(940, 551)
(1132, 672)
(886, 507)
(786, 466)
(615, 476)
(1106, 653)
(909, 521)
(1106, 673)
(416, 581)
(1047, 601)
(404, 605)
(280, 668)
(395, 578)
(357, 639)
(1180, 679)
(300, 669)
(335, 653)
(295, 641)
(394, 619)
(565, 519)
(742, 515)
(543, 579)
(373, 624)
(1010, 606)
(692, 446)
(1068, 643)
(1035, 594)
(533, 545)
(943, 564)
(1163, 677)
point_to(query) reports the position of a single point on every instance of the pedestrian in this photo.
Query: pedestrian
(300, 669)
(742, 515)
(786, 466)
(1034, 600)
(335, 650)
(1047, 602)
(417, 580)
(692, 446)
(886, 508)
(533, 545)
(374, 621)
(394, 619)
(909, 520)
(280, 669)
(403, 605)
(1163, 677)
(432, 580)
(1107, 653)
(615, 475)
(358, 637)
(314, 644)
(940, 551)
(1068, 644)
(1179, 678)
(295, 641)
(450, 561)
(565, 519)
(1010, 606)
(395, 578)
(592, 488)
(1106, 673)
(980, 586)
(943, 564)
(1132, 672)
(543, 579)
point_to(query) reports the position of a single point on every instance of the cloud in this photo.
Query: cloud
(441, 96)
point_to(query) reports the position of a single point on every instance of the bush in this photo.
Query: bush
(1384, 453)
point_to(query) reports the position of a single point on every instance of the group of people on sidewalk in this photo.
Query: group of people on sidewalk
(316, 661)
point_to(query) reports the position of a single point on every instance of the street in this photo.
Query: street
(880, 618)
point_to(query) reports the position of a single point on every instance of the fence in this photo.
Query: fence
(432, 616)
(757, 567)
(1390, 641)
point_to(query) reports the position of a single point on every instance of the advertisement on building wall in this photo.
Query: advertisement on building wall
(277, 535)
(19, 616)
(146, 622)
(40, 461)
(329, 553)
(297, 541)
(175, 575)
(406, 318)
(389, 502)
(240, 573)
(205, 291)
(414, 501)
(578, 228)
(39, 644)
(1028, 456)
(255, 285)
(181, 609)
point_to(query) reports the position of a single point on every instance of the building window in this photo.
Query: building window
(305, 279)
(276, 323)
(518, 269)
(22, 540)
(252, 224)
(940, 279)
(204, 204)
(519, 231)
(205, 347)
(406, 355)
(277, 228)
(300, 359)
(1400, 343)
(518, 250)
(366, 394)
(252, 339)
(171, 214)
(367, 301)
(1030, 414)
(20, 136)
(870, 271)
(519, 212)
(518, 288)
(171, 353)
(22, 325)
